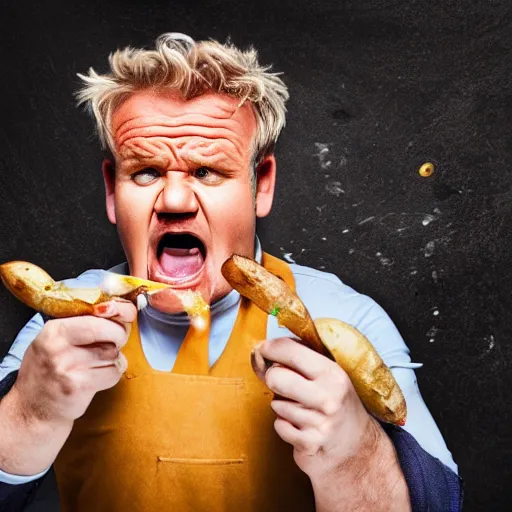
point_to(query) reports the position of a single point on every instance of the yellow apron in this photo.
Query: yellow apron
(185, 442)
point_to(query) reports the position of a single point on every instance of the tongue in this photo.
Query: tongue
(181, 263)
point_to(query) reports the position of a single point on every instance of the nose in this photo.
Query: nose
(177, 195)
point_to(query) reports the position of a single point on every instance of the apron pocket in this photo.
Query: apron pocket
(201, 461)
(215, 485)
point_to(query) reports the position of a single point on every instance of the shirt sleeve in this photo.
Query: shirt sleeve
(325, 295)
(381, 331)
(12, 361)
(25, 337)
(433, 487)
(16, 491)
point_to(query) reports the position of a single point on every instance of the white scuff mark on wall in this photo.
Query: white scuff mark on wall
(323, 154)
(429, 249)
(345, 231)
(334, 188)
(402, 221)
(435, 312)
(443, 240)
(491, 341)
(413, 272)
(364, 221)
(432, 334)
(288, 257)
(324, 238)
(427, 219)
(351, 251)
(386, 262)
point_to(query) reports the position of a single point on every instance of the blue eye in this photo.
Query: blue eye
(145, 177)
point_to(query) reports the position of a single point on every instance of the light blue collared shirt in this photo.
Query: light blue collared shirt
(323, 294)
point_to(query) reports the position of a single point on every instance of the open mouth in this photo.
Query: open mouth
(181, 255)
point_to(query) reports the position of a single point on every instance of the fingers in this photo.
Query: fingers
(259, 365)
(94, 355)
(121, 363)
(118, 310)
(108, 376)
(289, 384)
(308, 441)
(298, 415)
(291, 353)
(86, 330)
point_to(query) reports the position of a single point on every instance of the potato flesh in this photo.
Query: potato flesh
(35, 288)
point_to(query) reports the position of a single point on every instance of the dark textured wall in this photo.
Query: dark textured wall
(377, 88)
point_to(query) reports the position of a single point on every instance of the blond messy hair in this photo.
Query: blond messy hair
(192, 68)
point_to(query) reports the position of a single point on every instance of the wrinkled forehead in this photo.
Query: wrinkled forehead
(153, 113)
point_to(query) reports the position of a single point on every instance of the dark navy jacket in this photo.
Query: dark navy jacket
(433, 487)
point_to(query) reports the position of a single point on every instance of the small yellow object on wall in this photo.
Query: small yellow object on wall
(426, 170)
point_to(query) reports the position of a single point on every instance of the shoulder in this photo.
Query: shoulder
(325, 295)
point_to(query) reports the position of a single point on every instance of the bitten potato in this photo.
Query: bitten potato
(371, 378)
(35, 288)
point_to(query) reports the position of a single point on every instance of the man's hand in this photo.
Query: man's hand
(349, 459)
(73, 358)
(65, 366)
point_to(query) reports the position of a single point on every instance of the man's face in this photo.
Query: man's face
(181, 192)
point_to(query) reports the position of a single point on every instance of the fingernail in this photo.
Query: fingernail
(104, 308)
(121, 363)
(258, 364)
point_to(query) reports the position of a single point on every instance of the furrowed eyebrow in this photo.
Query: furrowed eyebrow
(138, 161)
(201, 161)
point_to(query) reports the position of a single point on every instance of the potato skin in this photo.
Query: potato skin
(273, 296)
(36, 289)
(372, 379)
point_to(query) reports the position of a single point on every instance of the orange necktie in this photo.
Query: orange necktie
(192, 358)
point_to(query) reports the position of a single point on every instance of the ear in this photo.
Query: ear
(109, 177)
(265, 185)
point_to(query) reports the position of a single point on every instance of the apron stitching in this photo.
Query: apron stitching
(186, 460)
